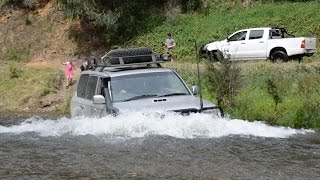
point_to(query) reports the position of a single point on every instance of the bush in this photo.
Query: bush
(14, 71)
(224, 80)
(53, 83)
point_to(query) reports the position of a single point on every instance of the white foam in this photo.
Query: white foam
(139, 124)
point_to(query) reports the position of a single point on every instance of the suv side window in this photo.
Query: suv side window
(91, 87)
(81, 89)
(256, 34)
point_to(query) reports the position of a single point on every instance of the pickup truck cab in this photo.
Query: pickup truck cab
(133, 80)
(260, 44)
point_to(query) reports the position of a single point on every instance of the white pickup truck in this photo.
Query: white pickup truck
(260, 44)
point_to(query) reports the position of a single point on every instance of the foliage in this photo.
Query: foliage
(115, 20)
(273, 91)
(223, 79)
(285, 94)
(53, 83)
(25, 4)
(26, 90)
(14, 71)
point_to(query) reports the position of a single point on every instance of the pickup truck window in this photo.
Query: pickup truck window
(256, 34)
(275, 34)
(81, 89)
(238, 36)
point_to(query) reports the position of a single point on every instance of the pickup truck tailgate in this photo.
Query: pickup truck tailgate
(310, 43)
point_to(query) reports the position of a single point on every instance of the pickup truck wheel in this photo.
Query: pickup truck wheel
(209, 56)
(279, 56)
(218, 56)
(215, 56)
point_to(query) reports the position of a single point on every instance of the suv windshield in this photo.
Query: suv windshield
(146, 85)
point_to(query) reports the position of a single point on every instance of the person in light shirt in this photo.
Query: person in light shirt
(169, 44)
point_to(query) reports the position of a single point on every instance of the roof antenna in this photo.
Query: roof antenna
(198, 72)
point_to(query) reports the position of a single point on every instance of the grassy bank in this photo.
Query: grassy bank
(30, 89)
(284, 94)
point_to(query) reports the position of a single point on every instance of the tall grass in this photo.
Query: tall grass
(280, 94)
(27, 88)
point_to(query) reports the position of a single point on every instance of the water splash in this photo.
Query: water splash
(140, 124)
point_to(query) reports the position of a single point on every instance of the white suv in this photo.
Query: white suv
(133, 80)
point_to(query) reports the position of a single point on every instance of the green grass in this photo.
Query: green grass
(26, 89)
(297, 85)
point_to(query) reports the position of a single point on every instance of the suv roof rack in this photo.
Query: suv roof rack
(124, 58)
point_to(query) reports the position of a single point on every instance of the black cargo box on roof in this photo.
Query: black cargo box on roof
(130, 57)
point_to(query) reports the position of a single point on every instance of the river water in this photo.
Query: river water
(149, 146)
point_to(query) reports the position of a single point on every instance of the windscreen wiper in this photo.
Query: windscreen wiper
(173, 94)
(141, 97)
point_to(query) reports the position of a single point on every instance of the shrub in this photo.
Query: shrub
(224, 80)
(273, 91)
(53, 83)
(14, 71)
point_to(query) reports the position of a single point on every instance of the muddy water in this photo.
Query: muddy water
(149, 146)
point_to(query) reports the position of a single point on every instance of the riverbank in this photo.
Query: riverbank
(282, 94)
(36, 88)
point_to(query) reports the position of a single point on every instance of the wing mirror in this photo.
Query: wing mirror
(195, 90)
(98, 99)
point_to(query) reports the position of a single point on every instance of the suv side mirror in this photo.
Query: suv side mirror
(195, 90)
(98, 99)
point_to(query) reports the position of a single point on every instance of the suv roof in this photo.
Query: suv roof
(114, 73)
(121, 62)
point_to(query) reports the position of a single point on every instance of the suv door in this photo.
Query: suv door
(78, 100)
(90, 92)
(82, 102)
(99, 110)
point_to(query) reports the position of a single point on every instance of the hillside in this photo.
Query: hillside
(32, 46)
(33, 43)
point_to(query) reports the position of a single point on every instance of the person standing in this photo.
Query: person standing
(84, 65)
(169, 44)
(69, 71)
